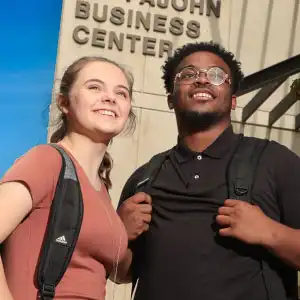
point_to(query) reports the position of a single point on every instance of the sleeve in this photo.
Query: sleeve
(38, 170)
(129, 187)
(287, 177)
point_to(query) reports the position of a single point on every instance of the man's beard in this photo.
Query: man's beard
(193, 121)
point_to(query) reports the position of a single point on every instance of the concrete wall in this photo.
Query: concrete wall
(259, 32)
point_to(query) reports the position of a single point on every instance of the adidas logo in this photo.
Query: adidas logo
(61, 240)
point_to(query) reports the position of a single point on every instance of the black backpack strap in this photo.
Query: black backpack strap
(143, 182)
(242, 167)
(62, 230)
(241, 174)
(150, 172)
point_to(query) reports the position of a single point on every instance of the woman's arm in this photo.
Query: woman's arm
(15, 204)
(4, 290)
(124, 270)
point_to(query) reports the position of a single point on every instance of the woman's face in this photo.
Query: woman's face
(99, 101)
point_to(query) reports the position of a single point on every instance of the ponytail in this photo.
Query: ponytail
(60, 133)
(105, 169)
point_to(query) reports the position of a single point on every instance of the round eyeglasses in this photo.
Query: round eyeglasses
(214, 75)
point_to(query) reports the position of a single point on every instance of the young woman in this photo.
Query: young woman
(95, 104)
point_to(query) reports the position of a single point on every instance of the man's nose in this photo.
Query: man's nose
(202, 78)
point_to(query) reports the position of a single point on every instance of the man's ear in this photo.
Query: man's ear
(233, 102)
(170, 101)
(62, 103)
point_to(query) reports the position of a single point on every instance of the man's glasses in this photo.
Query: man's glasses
(214, 75)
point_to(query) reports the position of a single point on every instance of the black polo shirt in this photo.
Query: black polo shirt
(182, 256)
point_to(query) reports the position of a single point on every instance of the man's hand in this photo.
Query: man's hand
(245, 222)
(135, 213)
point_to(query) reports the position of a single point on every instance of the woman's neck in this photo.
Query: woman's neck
(87, 153)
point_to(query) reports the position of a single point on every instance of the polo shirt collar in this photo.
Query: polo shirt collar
(216, 150)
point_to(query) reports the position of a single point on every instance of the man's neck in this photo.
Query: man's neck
(199, 141)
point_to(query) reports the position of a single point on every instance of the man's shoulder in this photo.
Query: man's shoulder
(154, 159)
(277, 150)
(254, 139)
(276, 155)
(138, 175)
(271, 153)
(272, 145)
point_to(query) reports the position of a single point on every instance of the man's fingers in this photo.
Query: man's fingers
(231, 202)
(225, 231)
(225, 210)
(141, 197)
(148, 199)
(145, 208)
(146, 227)
(223, 220)
(146, 218)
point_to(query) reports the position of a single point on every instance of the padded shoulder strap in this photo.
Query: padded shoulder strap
(242, 167)
(62, 230)
(143, 183)
(240, 177)
(151, 171)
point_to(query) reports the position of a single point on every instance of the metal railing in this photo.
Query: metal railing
(268, 81)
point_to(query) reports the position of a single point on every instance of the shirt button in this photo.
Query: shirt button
(197, 176)
(199, 157)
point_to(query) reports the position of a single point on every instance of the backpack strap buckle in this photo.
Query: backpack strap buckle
(47, 291)
(240, 190)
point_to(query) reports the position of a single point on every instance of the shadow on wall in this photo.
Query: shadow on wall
(289, 138)
(296, 137)
(215, 30)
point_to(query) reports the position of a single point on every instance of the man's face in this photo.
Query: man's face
(199, 98)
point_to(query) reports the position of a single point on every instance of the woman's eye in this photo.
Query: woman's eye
(94, 88)
(122, 94)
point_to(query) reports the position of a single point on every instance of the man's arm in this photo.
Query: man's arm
(285, 239)
(250, 225)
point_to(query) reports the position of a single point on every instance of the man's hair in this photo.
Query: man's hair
(170, 65)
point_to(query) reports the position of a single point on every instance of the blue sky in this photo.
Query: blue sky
(27, 64)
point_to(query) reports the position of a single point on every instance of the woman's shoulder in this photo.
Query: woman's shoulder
(46, 150)
(41, 159)
(43, 155)
(38, 169)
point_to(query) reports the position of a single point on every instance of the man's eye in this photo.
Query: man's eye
(187, 75)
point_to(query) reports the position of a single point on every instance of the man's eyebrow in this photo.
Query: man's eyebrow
(209, 67)
(188, 66)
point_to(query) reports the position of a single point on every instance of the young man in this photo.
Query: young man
(187, 241)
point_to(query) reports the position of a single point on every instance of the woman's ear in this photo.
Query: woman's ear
(62, 103)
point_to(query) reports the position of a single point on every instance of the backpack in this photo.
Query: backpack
(240, 176)
(62, 229)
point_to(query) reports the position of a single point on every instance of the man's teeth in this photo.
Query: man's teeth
(107, 113)
(202, 95)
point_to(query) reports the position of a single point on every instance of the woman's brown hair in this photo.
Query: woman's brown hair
(66, 84)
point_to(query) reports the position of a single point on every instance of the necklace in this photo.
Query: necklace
(116, 244)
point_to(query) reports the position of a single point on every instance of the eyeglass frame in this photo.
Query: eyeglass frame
(200, 71)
